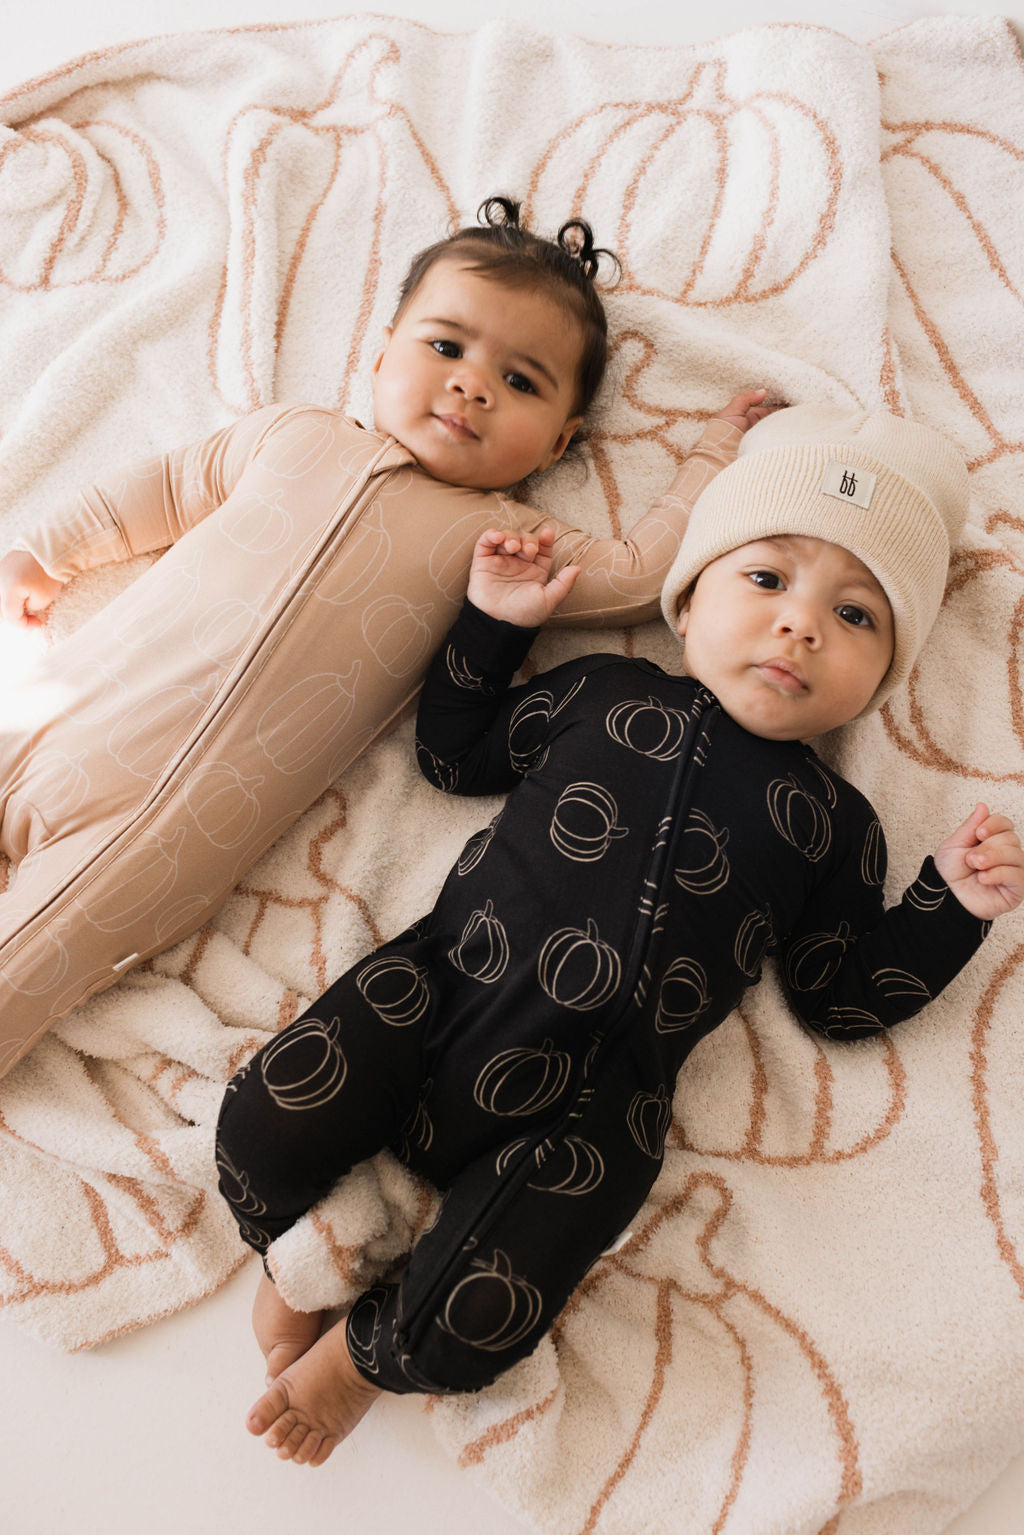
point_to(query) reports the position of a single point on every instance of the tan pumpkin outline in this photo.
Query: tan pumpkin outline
(493, 1079)
(779, 795)
(284, 1094)
(818, 1153)
(500, 1270)
(693, 973)
(676, 721)
(576, 936)
(406, 1010)
(677, 109)
(500, 953)
(710, 877)
(572, 844)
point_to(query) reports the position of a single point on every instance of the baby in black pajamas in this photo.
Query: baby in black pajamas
(519, 1046)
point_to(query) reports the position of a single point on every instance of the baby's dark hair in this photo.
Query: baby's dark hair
(499, 246)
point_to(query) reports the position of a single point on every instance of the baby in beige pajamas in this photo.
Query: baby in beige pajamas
(312, 567)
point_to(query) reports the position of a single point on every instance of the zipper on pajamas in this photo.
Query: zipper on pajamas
(606, 1041)
(224, 701)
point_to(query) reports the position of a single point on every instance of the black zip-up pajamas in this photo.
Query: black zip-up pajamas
(519, 1045)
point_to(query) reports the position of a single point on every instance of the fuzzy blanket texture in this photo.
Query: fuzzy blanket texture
(816, 1325)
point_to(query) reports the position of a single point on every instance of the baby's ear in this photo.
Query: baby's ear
(684, 614)
(388, 333)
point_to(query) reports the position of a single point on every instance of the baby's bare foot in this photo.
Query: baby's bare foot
(315, 1403)
(283, 1335)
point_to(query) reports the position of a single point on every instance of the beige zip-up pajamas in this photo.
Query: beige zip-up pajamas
(312, 568)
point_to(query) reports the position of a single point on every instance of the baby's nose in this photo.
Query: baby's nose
(802, 623)
(472, 383)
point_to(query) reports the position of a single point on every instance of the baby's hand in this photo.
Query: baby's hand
(25, 589)
(509, 577)
(745, 409)
(983, 864)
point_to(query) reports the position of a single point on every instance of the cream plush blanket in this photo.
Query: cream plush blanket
(818, 1322)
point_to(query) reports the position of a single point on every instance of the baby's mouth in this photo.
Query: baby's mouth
(458, 426)
(783, 674)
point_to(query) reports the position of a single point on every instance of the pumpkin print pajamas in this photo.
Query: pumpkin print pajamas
(519, 1046)
(311, 569)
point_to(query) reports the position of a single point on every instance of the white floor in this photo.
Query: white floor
(145, 1434)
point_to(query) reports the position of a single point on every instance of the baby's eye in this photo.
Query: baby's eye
(768, 580)
(851, 614)
(447, 348)
(520, 382)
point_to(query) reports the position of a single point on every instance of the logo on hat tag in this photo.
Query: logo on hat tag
(848, 483)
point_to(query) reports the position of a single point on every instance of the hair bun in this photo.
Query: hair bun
(576, 238)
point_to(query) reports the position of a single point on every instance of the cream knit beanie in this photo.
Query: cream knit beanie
(891, 491)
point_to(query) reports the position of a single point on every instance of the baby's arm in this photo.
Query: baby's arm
(621, 578)
(26, 590)
(131, 511)
(510, 577)
(983, 864)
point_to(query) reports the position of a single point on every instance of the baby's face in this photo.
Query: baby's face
(793, 635)
(478, 379)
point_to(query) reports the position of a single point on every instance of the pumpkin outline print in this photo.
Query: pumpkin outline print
(711, 872)
(587, 802)
(477, 846)
(54, 961)
(260, 525)
(893, 982)
(398, 632)
(482, 952)
(788, 805)
(60, 784)
(561, 950)
(748, 950)
(813, 962)
(522, 1080)
(404, 1008)
(926, 897)
(583, 1173)
(223, 803)
(316, 1084)
(236, 1187)
(649, 1119)
(462, 675)
(363, 1338)
(873, 860)
(538, 707)
(628, 719)
(446, 774)
(840, 1022)
(523, 1305)
(418, 1129)
(294, 730)
(153, 862)
(688, 976)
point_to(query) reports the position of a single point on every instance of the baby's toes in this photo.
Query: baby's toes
(288, 1437)
(268, 1411)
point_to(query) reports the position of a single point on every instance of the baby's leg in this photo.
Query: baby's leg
(330, 1090)
(315, 1403)
(517, 1232)
(283, 1335)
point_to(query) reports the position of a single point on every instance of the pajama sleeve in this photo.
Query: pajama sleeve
(468, 704)
(148, 505)
(853, 968)
(620, 579)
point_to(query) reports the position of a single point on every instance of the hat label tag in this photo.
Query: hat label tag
(848, 483)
